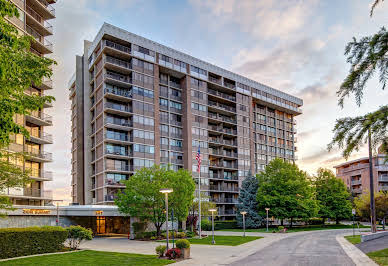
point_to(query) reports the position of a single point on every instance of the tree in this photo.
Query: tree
(366, 57)
(332, 196)
(141, 197)
(287, 191)
(247, 202)
(19, 69)
(362, 204)
(206, 205)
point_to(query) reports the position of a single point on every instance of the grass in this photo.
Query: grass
(90, 257)
(380, 257)
(298, 228)
(221, 240)
(354, 239)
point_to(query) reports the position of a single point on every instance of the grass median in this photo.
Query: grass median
(221, 240)
(298, 228)
(90, 257)
(380, 257)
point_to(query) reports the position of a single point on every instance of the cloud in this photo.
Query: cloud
(265, 18)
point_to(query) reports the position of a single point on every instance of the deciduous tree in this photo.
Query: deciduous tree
(287, 191)
(141, 197)
(332, 196)
(381, 204)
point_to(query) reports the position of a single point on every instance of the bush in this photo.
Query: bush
(180, 235)
(206, 225)
(280, 228)
(153, 238)
(220, 225)
(182, 243)
(139, 235)
(160, 250)
(16, 242)
(315, 221)
(190, 234)
(76, 234)
(173, 253)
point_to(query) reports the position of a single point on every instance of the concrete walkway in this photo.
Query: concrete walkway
(301, 248)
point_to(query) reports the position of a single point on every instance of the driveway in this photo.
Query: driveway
(373, 245)
(313, 248)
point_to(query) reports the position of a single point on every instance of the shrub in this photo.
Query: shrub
(139, 235)
(153, 238)
(315, 221)
(16, 242)
(173, 253)
(190, 234)
(76, 234)
(182, 243)
(180, 235)
(280, 228)
(220, 225)
(206, 225)
(160, 250)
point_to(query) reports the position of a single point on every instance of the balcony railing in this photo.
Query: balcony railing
(223, 188)
(39, 38)
(235, 201)
(123, 168)
(118, 77)
(383, 188)
(219, 176)
(118, 62)
(357, 190)
(118, 107)
(42, 116)
(119, 92)
(110, 197)
(356, 182)
(40, 135)
(383, 178)
(39, 19)
(126, 123)
(126, 153)
(48, 6)
(38, 153)
(222, 106)
(215, 80)
(227, 212)
(222, 118)
(117, 46)
(28, 192)
(221, 94)
(117, 137)
(113, 182)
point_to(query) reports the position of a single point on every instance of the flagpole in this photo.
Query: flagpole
(199, 202)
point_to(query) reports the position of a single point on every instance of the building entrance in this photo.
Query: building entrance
(101, 229)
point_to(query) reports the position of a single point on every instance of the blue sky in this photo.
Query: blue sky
(295, 46)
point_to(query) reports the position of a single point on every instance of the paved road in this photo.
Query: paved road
(315, 248)
(373, 245)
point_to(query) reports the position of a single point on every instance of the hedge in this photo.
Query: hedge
(16, 242)
(219, 225)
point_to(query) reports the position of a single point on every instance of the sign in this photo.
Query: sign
(99, 213)
(354, 211)
(36, 211)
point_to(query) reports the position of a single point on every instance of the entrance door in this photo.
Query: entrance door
(100, 225)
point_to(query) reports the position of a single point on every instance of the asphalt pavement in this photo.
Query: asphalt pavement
(373, 245)
(315, 248)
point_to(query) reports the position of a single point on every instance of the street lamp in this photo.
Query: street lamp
(58, 210)
(165, 191)
(212, 211)
(243, 214)
(267, 209)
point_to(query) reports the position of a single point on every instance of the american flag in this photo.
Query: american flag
(198, 158)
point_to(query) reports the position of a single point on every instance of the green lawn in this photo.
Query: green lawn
(299, 228)
(90, 257)
(354, 239)
(380, 257)
(221, 240)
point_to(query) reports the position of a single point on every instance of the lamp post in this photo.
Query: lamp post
(243, 214)
(212, 211)
(165, 191)
(267, 209)
(57, 222)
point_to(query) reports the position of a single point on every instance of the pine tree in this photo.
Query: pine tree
(247, 202)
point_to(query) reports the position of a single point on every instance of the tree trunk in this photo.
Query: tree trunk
(337, 221)
(281, 222)
(323, 220)
(384, 218)
(158, 226)
(291, 222)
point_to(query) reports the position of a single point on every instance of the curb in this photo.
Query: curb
(43, 254)
(357, 256)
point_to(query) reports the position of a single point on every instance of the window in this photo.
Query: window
(143, 120)
(176, 105)
(139, 163)
(176, 143)
(163, 102)
(198, 107)
(143, 134)
(163, 91)
(196, 94)
(144, 148)
(164, 141)
(163, 128)
(143, 92)
(175, 93)
(116, 135)
(198, 72)
(143, 53)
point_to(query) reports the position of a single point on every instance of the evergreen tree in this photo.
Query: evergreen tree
(247, 202)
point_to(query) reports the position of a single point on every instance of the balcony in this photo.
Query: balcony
(215, 80)
(28, 193)
(227, 213)
(40, 174)
(118, 108)
(229, 142)
(356, 182)
(225, 201)
(222, 118)
(118, 79)
(357, 190)
(117, 64)
(39, 118)
(126, 124)
(43, 7)
(118, 153)
(383, 188)
(222, 177)
(221, 106)
(123, 168)
(110, 198)
(112, 182)
(355, 167)
(230, 154)
(41, 44)
(40, 137)
(221, 95)
(382, 167)
(38, 23)
(383, 178)
(223, 188)
(38, 155)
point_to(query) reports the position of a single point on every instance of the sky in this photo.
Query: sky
(294, 46)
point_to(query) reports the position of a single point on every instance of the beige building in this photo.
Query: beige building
(355, 174)
(34, 21)
(136, 103)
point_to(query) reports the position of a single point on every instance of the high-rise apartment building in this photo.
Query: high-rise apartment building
(33, 20)
(355, 174)
(136, 103)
